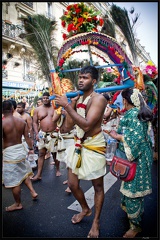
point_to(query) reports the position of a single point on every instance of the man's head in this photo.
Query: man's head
(39, 102)
(46, 100)
(7, 107)
(24, 99)
(21, 107)
(90, 69)
(14, 104)
(88, 77)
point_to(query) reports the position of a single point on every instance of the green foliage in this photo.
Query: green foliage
(108, 77)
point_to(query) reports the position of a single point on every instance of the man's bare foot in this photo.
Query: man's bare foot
(65, 182)
(58, 174)
(78, 217)
(35, 178)
(52, 163)
(14, 207)
(34, 195)
(94, 232)
(31, 176)
(68, 190)
(130, 234)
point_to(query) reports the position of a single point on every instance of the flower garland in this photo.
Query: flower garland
(80, 18)
(135, 97)
(111, 50)
(150, 70)
(81, 110)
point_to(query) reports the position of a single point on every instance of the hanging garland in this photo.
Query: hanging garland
(103, 47)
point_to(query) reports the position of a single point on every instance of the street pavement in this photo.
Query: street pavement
(50, 215)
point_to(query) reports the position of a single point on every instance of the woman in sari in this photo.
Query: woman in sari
(135, 145)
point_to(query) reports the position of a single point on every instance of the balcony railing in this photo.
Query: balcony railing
(4, 74)
(29, 78)
(11, 30)
(29, 4)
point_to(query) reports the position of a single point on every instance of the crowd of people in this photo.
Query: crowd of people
(77, 136)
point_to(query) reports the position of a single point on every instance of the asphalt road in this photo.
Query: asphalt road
(49, 216)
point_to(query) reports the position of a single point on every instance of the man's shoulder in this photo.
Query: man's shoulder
(99, 97)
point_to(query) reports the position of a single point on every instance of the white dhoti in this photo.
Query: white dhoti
(64, 141)
(15, 166)
(93, 162)
(49, 141)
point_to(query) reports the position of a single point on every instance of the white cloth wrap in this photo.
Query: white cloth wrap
(93, 164)
(64, 141)
(15, 166)
(50, 143)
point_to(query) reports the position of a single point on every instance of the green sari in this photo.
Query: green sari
(137, 146)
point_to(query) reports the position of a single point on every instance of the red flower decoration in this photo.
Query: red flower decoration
(61, 61)
(89, 19)
(64, 36)
(80, 19)
(69, 7)
(78, 10)
(63, 23)
(101, 22)
(95, 18)
(70, 27)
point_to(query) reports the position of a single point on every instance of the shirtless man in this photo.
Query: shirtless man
(39, 101)
(15, 167)
(65, 136)
(26, 117)
(15, 113)
(90, 143)
(42, 121)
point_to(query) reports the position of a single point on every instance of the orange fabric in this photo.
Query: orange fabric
(139, 83)
(59, 87)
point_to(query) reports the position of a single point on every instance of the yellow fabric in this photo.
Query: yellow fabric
(100, 150)
(93, 162)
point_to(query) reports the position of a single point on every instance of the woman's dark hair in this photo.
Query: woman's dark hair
(145, 114)
(90, 69)
(107, 97)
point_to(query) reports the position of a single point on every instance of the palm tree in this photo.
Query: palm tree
(121, 18)
(39, 31)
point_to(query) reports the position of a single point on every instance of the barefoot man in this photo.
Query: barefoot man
(42, 121)
(86, 158)
(65, 136)
(16, 168)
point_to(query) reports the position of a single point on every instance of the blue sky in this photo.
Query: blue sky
(146, 26)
